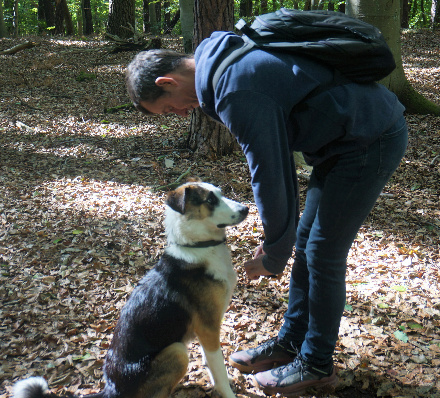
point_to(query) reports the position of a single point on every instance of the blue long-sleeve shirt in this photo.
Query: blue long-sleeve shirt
(256, 98)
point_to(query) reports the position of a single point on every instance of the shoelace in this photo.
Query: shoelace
(303, 367)
(289, 366)
(263, 348)
(266, 345)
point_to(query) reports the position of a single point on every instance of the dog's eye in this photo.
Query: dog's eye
(212, 199)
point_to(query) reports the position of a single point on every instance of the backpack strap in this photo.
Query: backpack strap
(231, 56)
(236, 51)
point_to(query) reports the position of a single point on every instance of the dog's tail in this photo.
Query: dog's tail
(37, 387)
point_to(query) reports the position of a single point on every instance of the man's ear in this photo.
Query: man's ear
(165, 80)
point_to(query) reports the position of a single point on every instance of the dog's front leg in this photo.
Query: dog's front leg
(218, 372)
(210, 343)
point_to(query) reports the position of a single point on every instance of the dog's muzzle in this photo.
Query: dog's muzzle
(241, 215)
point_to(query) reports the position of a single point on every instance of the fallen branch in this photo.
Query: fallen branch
(18, 48)
(137, 42)
(174, 184)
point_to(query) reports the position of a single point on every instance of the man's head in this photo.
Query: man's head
(162, 81)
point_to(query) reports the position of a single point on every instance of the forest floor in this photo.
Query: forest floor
(81, 222)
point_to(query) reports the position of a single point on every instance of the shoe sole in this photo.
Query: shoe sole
(331, 381)
(257, 368)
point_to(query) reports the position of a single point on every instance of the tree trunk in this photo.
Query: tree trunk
(46, 13)
(79, 20)
(173, 23)
(435, 14)
(386, 16)
(154, 24)
(87, 17)
(331, 5)
(67, 18)
(3, 31)
(15, 18)
(210, 138)
(422, 8)
(158, 7)
(62, 16)
(146, 16)
(207, 136)
(246, 8)
(187, 24)
(120, 17)
(167, 16)
(59, 19)
(404, 14)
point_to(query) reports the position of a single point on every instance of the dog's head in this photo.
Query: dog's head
(202, 201)
(201, 211)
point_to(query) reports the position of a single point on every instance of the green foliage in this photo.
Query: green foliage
(418, 17)
(28, 17)
(29, 23)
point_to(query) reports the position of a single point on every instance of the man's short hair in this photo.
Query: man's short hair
(143, 71)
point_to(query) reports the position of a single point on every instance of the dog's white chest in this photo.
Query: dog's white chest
(216, 260)
(220, 266)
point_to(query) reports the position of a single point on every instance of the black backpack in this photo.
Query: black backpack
(354, 48)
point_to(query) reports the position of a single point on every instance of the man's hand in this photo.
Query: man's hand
(254, 268)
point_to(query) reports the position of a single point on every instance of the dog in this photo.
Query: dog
(185, 295)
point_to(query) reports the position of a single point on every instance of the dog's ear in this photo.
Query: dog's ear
(176, 200)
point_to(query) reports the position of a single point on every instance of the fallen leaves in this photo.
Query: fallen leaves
(80, 224)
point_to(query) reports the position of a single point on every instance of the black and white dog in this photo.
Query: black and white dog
(184, 296)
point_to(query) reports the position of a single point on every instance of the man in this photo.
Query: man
(353, 135)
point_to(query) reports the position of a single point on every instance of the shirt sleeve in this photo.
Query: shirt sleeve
(259, 124)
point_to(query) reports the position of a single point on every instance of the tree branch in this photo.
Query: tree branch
(18, 48)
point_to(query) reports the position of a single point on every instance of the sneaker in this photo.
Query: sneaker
(296, 377)
(272, 352)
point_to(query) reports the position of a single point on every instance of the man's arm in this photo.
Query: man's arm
(259, 124)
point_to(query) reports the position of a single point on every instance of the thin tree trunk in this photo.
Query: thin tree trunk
(87, 17)
(187, 24)
(67, 18)
(246, 8)
(153, 17)
(435, 14)
(173, 23)
(167, 16)
(59, 18)
(146, 16)
(3, 30)
(15, 18)
(404, 15)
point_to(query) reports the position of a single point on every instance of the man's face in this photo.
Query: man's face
(179, 95)
(172, 103)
